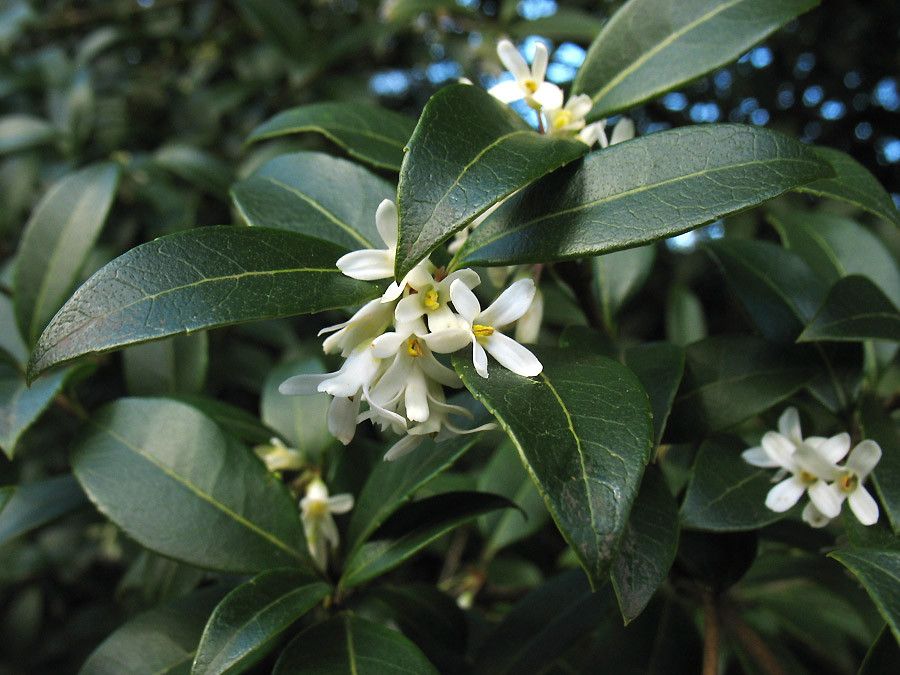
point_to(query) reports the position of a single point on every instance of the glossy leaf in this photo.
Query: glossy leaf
(21, 132)
(595, 415)
(6, 493)
(280, 22)
(777, 289)
(32, 505)
(456, 170)
(879, 572)
(659, 367)
(648, 547)
(223, 510)
(56, 242)
(854, 184)
(307, 192)
(855, 309)
(566, 23)
(685, 319)
(347, 644)
(196, 166)
(374, 135)
(883, 655)
(21, 405)
(618, 276)
(640, 191)
(877, 424)
(650, 47)
(162, 641)
(236, 421)
(301, 420)
(197, 279)
(725, 493)
(153, 580)
(176, 365)
(249, 620)
(412, 528)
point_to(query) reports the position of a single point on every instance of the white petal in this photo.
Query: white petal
(864, 458)
(865, 508)
(528, 327)
(416, 396)
(810, 460)
(438, 372)
(386, 222)
(342, 418)
(512, 59)
(784, 495)
(511, 355)
(549, 95)
(340, 503)
(789, 425)
(367, 265)
(539, 64)
(403, 447)
(388, 344)
(623, 131)
(579, 106)
(479, 358)
(464, 301)
(303, 385)
(410, 308)
(449, 340)
(512, 303)
(393, 292)
(591, 133)
(469, 277)
(814, 517)
(419, 278)
(507, 92)
(780, 449)
(759, 457)
(826, 500)
(443, 318)
(833, 449)
(328, 530)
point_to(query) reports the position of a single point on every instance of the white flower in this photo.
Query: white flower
(432, 298)
(318, 524)
(623, 131)
(279, 457)
(789, 428)
(528, 327)
(849, 485)
(564, 121)
(482, 328)
(529, 82)
(371, 264)
(366, 324)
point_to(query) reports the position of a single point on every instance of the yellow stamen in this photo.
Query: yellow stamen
(849, 481)
(413, 348)
(482, 331)
(807, 477)
(531, 85)
(562, 118)
(432, 300)
(318, 509)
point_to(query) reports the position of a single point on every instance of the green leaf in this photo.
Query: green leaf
(368, 133)
(152, 580)
(307, 192)
(168, 476)
(280, 23)
(725, 494)
(618, 276)
(22, 132)
(391, 484)
(882, 657)
(301, 420)
(162, 641)
(21, 405)
(855, 309)
(196, 166)
(347, 644)
(176, 365)
(877, 424)
(648, 547)
(412, 528)
(879, 572)
(455, 170)
(640, 191)
(566, 23)
(854, 184)
(659, 367)
(685, 319)
(595, 416)
(728, 379)
(650, 47)
(32, 505)
(776, 288)
(197, 279)
(6, 493)
(248, 621)
(236, 421)
(56, 242)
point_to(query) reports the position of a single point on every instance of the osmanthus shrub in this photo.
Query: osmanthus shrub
(482, 302)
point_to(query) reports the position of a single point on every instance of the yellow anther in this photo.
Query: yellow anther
(482, 331)
(849, 481)
(562, 118)
(318, 508)
(432, 300)
(807, 477)
(531, 85)
(413, 348)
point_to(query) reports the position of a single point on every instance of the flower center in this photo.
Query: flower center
(807, 478)
(432, 299)
(413, 348)
(530, 85)
(482, 331)
(318, 509)
(849, 481)
(562, 118)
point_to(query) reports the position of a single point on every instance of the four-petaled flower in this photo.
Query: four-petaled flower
(529, 82)
(316, 510)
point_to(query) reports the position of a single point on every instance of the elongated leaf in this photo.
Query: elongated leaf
(648, 547)
(196, 166)
(777, 289)
(725, 493)
(162, 641)
(245, 625)
(412, 528)
(176, 365)
(879, 572)
(21, 405)
(280, 23)
(307, 192)
(156, 580)
(368, 133)
(618, 276)
(594, 415)
(38, 503)
(855, 309)
(6, 493)
(173, 481)
(236, 421)
(57, 239)
(197, 279)
(883, 655)
(659, 367)
(640, 191)
(456, 170)
(685, 319)
(347, 644)
(566, 23)
(21, 132)
(877, 424)
(301, 420)
(854, 184)
(650, 47)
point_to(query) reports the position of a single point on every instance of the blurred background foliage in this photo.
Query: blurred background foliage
(170, 90)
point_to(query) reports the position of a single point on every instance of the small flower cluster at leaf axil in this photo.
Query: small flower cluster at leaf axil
(813, 465)
(395, 372)
(318, 524)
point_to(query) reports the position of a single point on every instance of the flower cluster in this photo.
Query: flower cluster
(813, 465)
(390, 344)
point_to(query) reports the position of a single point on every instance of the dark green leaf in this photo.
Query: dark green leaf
(725, 493)
(879, 572)
(855, 309)
(618, 276)
(776, 288)
(456, 170)
(57, 239)
(346, 644)
(236, 421)
(176, 365)
(648, 547)
(10, 339)
(196, 166)
(152, 580)
(301, 420)
(38, 503)
(640, 191)
(566, 23)
(246, 624)
(412, 528)
(728, 379)
(197, 279)
(877, 424)
(650, 47)
(21, 405)
(162, 641)
(594, 415)
(367, 132)
(21, 132)
(883, 656)
(171, 479)
(659, 367)
(685, 320)
(280, 23)
(307, 192)
(6, 493)
(854, 184)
